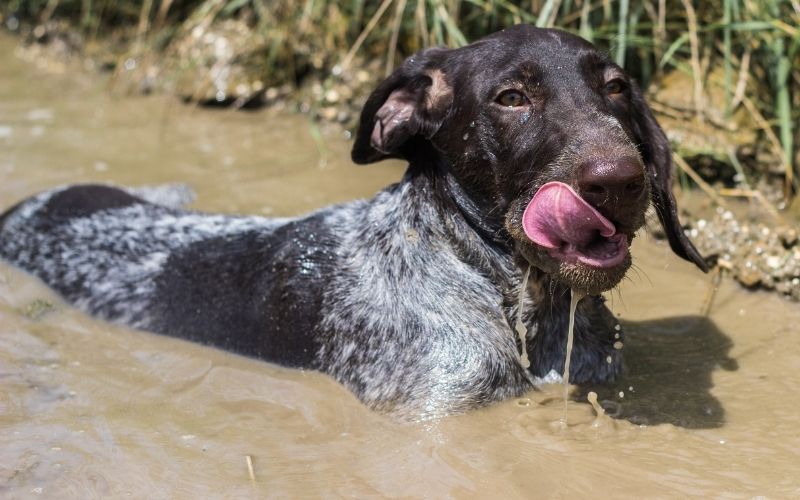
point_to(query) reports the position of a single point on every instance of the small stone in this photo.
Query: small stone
(773, 262)
(747, 274)
(789, 236)
(271, 93)
(332, 96)
(345, 92)
(362, 76)
(328, 113)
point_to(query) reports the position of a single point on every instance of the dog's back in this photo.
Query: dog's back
(196, 276)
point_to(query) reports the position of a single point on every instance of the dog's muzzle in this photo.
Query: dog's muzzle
(572, 230)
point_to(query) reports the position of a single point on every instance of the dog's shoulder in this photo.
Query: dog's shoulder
(407, 324)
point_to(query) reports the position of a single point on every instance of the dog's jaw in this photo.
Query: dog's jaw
(575, 274)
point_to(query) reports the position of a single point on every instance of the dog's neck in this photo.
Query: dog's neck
(481, 240)
(475, 240)
(486, 224)
(484, 219)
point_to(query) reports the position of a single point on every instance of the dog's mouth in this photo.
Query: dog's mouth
(572, 231)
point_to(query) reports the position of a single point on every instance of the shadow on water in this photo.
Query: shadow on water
(669, 366)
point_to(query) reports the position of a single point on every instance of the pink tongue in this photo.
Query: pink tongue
(557, 215)
(571, 229)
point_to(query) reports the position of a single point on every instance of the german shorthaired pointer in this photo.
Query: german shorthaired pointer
(526, 148)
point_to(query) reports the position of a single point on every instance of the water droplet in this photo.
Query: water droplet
(466, 136)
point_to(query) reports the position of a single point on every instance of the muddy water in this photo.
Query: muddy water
(708, 406)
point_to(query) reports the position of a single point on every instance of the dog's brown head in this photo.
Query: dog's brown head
(546, 136)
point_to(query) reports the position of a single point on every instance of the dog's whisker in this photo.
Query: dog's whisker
(640, 271)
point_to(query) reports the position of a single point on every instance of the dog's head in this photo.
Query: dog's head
(551, 142)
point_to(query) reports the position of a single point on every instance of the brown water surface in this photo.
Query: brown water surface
(91, 410)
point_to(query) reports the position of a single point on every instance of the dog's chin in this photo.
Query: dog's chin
(574, 274)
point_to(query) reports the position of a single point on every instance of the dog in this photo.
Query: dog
(526, 149)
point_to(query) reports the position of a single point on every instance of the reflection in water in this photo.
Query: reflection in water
(91, 410)
(668, 376)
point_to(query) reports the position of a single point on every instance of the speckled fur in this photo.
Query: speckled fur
(106, 263)
(408, 323)
(408, 299)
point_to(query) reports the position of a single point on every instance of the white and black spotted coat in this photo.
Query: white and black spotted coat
(396, 297)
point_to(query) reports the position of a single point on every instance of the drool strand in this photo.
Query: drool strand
(576, 297)
(520, 327)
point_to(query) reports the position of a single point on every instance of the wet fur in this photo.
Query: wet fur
(407, 298)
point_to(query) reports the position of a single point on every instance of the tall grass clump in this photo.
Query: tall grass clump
(743, 53)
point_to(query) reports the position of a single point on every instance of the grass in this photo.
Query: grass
(746, 50)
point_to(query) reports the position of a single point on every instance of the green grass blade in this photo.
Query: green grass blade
(622, 26)
(673, 47)
(783, 104)
(547, 10)
(727, 53)
(586, 30)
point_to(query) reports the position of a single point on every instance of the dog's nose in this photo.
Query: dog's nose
(611, 184)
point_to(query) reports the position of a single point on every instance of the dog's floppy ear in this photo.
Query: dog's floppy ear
(658, 161)
(412, 101)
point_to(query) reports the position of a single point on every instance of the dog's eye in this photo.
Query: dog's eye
(614, 87)
(512, 99)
